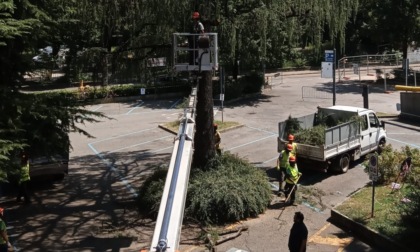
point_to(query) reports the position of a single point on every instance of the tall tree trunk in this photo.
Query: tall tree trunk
(204, 133)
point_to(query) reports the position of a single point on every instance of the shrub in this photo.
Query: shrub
(389, 163)
(233, 89)
(151, 192)
(231, 189)
(252, 83)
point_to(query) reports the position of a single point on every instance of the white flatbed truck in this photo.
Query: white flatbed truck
(343, 143)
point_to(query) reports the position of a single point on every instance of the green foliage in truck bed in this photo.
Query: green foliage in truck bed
(292, 126)
(312, 136)
(315, 135)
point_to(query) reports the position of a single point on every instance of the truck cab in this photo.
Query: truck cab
(372, 132)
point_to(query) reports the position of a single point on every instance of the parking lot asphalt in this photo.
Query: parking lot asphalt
(88, 211)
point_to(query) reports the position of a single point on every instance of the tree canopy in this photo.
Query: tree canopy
(253, 32)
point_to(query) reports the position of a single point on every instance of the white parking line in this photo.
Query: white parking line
(272, 134)
(96, 109)
(398, 141)
(135, 107)
(146, 112)
(262, 130)
(245, 144)
(117, 172)
(114, 137)
(151, 141)
(176, 103)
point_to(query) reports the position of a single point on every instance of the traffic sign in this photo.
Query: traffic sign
(356, 68)
(326, 69)
(329, 55)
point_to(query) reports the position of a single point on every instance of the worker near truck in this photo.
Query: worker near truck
(292, 178)
(291, 139)
(282, 163)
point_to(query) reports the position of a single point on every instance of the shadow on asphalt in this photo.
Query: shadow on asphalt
(90, 208)
(102, 244)
(310, 176)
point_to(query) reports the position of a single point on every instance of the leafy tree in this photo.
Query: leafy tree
(393, 22)
(257, 31)
(108, 28)
(275, 22)
(32, 122)
(40, 124)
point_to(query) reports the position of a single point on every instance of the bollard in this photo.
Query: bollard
(365, 95)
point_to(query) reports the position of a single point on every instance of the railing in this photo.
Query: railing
(186, 52)
(316, 92)
(368, 63)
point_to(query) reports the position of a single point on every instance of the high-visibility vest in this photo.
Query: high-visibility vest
(217, 140)
(24, 173)
(284, 159)
(292, 174)
(294, 150)
(2, 229)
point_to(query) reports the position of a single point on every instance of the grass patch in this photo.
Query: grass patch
(174, 125)
(382, 114)
(390, 216)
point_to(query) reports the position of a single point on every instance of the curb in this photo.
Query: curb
(167, 129)
(232, 128)
(403, 124)
(366, 234)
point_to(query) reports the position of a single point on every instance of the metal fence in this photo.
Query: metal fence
(368, 63)
(95, 65)
(316, 93)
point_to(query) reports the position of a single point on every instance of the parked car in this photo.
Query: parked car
(46, 55)
(43, 167)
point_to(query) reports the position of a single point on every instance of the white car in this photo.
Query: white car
(54, 167)
(46, 55)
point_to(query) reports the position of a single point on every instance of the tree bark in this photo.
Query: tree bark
(204, 132)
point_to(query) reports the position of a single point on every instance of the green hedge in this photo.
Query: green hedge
(126, 90)
(389, 163)
(230, 189)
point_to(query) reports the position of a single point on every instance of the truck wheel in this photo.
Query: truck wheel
(344, 163)
(381, 145)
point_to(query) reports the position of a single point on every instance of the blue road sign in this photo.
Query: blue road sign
(329, 55)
